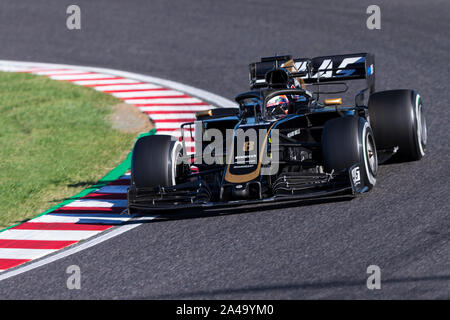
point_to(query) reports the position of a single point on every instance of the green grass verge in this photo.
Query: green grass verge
(55, 140)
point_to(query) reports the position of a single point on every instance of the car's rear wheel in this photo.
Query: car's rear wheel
(397, 119)
(347, 142)
(156, 161)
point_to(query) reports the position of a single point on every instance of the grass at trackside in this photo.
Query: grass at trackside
(55, 140)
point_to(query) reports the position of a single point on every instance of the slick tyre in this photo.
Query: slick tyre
(154, 161)
(349, 141)
(397, 120)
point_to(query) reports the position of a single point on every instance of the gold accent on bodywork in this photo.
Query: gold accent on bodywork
(204, 113)
(240, 178)
(290, 66)
(332, 102)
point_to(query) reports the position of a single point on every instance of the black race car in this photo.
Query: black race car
(284, 142)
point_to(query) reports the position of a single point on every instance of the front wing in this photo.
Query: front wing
(195, 194)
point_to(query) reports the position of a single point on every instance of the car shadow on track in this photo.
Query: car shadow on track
(306, 287)
(196, 213)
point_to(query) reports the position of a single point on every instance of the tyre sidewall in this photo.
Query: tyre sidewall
(368, 163)
(345, 147)
(397, 120)
(174, 160)
(153, 161)
(420, 128)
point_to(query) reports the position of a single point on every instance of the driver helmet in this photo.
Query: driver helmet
(279, 105)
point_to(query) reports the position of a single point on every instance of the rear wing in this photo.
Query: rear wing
(320, 69)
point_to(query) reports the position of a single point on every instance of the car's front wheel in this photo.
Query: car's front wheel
(347, 143)
(156, 161)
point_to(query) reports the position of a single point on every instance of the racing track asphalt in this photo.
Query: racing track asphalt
(314, 251)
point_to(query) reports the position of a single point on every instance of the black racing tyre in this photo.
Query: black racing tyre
(397, 120)
(348, 141)
(154, 161)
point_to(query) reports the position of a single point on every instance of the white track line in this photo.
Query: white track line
(81, 218)
(174, 108)
(75, 235)
(97, 82)
(162, 100)
(13, 253)
(76, 76)
(167, 125)
(71, 250)
(97, 203)
(89, 76)
(154, 93)
(203, 94)
(173, 116)
(112, 189)
(56, 72)
(127, 87)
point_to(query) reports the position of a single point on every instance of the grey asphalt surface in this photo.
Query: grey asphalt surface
(319, 251)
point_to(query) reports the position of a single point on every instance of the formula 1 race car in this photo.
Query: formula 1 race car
(284, 142)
